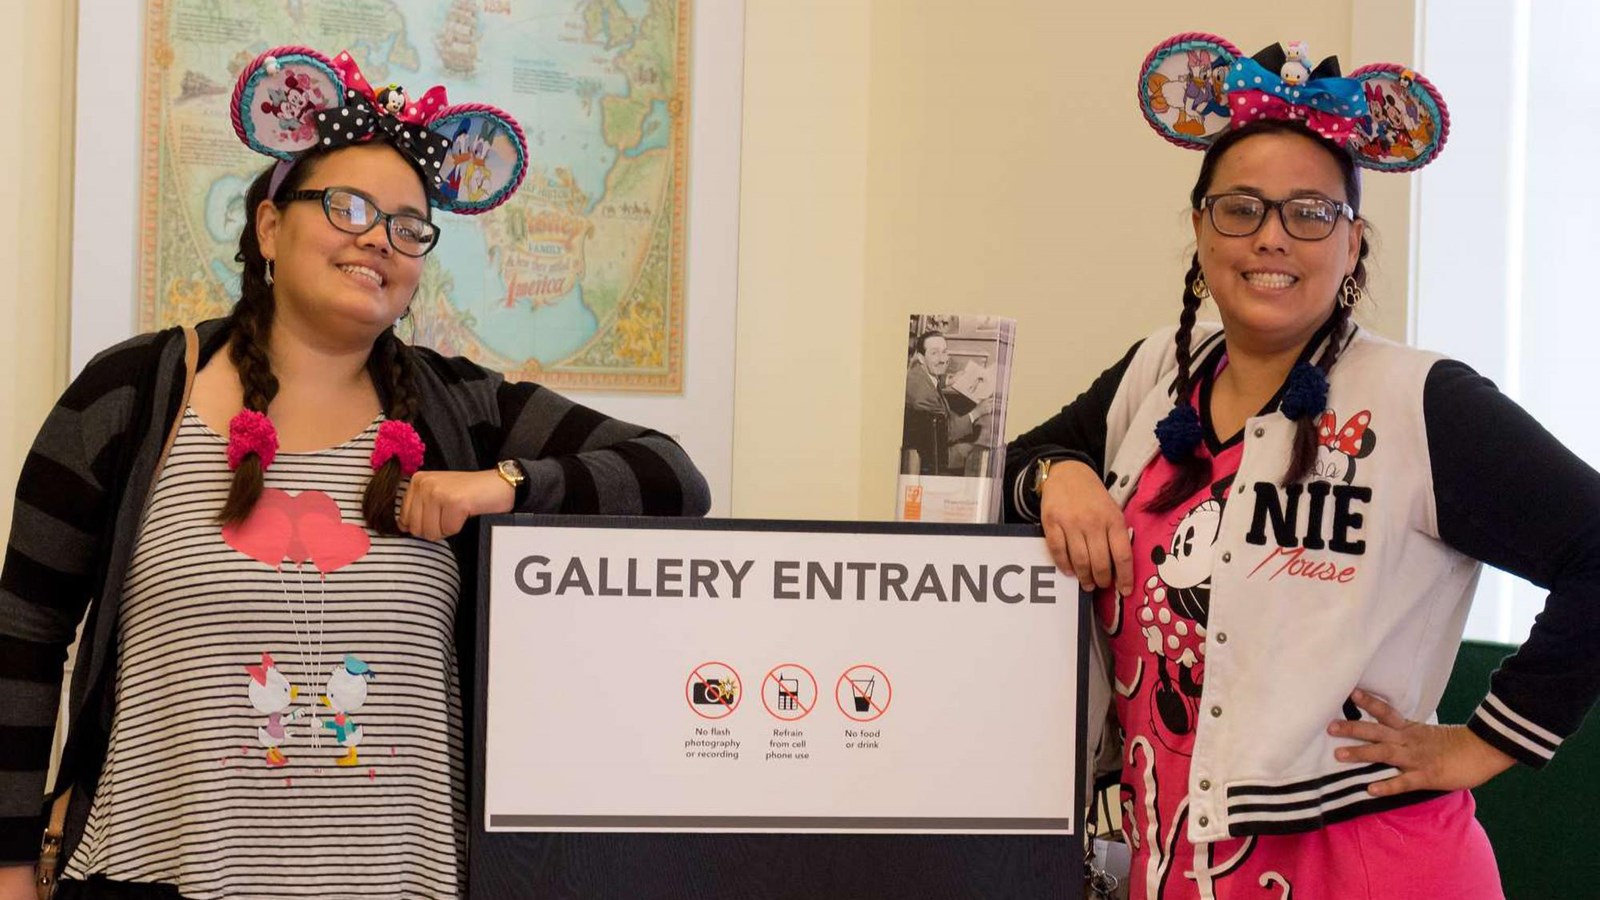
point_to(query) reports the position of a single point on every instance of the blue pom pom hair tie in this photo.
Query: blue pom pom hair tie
(1179, 433)
(1306, 393)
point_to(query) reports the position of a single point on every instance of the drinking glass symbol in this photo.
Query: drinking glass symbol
(863, 693)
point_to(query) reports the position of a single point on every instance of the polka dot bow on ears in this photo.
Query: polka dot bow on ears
(1193, 87)
(293, 99)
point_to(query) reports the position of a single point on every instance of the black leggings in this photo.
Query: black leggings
(100, 888)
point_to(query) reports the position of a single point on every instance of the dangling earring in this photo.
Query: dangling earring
(1199, 288)
(269, 271)
(1351, 293)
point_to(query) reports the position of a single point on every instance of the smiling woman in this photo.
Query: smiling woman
(270, 522)
(1281, 592)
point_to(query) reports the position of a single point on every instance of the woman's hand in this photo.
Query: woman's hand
(438, 504)
(1085, 529)
(1429, 757)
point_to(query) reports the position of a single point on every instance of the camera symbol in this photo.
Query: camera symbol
(721, 692)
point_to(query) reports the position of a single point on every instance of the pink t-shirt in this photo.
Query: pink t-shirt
(1158, 646)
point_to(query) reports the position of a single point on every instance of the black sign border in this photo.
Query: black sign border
(751, 866)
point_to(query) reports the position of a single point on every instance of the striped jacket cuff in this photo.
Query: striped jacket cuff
(1512, 733)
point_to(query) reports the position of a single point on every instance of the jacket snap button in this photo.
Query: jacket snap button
(1260, 432)
(1222, 637)
(1204, 821)
(1123, 482)
(1216, 712)
(1227, 557)
(1205, 784)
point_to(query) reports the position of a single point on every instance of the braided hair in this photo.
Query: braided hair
(1194, 472)
(389, 365)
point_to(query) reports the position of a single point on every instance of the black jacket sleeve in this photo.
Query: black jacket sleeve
(577, 460)
(1078, 432)
(66, 495)
(1508, 493)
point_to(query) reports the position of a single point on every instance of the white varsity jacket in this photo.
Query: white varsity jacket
(1359, 576)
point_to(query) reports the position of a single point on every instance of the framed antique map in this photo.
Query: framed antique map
(577, 282)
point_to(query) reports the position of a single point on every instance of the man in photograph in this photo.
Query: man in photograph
(925, 382)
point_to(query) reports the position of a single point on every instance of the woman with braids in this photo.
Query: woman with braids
(1283, 518)
(269, 522)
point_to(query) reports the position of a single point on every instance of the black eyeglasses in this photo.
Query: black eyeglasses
(353, 212)
(1304, 218)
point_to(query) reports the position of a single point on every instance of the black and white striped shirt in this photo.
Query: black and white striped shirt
(288, 710)
(82, 497)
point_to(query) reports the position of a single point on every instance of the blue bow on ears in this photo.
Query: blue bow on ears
(1328, 104)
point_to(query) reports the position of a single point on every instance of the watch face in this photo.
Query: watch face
(511, 470)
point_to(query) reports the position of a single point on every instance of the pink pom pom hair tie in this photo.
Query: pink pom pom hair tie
(251, 432)
(398, 440)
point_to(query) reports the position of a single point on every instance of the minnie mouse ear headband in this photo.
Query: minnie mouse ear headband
(1195, 86)
(293, 99)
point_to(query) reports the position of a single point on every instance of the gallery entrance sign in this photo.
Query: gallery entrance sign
(653, 692)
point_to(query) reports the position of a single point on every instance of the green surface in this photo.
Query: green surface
(1545, 823)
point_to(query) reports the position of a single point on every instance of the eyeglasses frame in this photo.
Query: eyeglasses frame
(386, 219)
(1209, 205)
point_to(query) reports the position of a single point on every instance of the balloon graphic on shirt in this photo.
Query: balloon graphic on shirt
(300, 528)
(1172, 617)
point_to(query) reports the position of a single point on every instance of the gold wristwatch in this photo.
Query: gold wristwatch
(511, 471)
(1041, 473)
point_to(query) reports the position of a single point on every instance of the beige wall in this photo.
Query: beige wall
(1006, 171)
(35, 225)
(802, 259)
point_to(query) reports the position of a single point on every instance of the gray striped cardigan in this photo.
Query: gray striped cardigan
(85, 484)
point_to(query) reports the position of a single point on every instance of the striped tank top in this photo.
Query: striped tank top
(288, 716)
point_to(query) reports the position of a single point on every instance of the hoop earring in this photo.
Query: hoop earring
(269, 271)
(1199, 288)
(1351, 293)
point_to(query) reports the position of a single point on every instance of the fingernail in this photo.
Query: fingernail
(1358, 694)
(1333, 728)
(1341, 755)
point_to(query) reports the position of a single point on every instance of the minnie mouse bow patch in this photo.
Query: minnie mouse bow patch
(293, 99)
(1346, 440)
(1195, 86)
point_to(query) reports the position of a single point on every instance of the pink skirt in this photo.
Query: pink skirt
(1427, 851)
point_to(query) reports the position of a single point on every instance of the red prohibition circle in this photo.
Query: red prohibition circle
(696, 678)
(776, 714)
(876, 709)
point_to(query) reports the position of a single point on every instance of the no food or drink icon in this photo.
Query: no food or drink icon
(863, 693)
